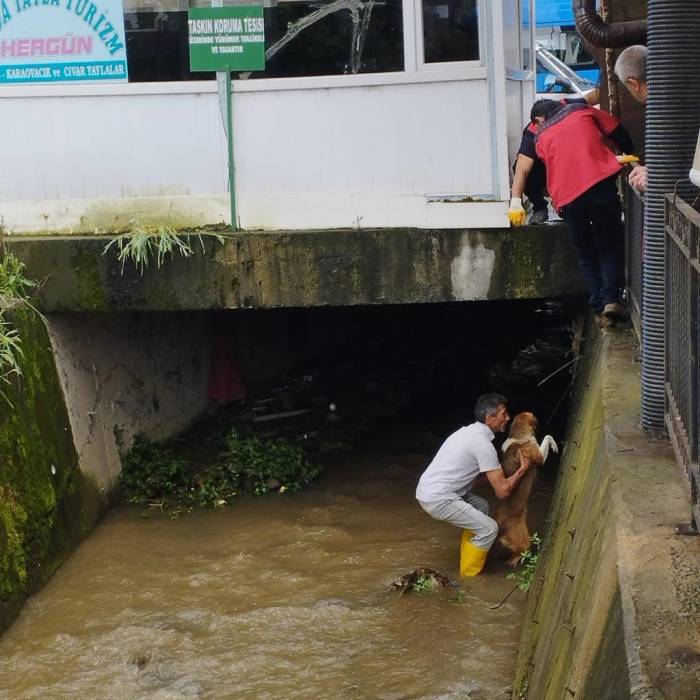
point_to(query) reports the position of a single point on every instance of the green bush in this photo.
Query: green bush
(528, 563)
(151, 470)
(258, 466)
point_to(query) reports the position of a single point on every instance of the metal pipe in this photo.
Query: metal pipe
(672, 124)
(593, 29)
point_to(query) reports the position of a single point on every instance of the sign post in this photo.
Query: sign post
(227, 39)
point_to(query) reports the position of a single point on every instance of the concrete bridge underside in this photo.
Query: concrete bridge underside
(306, 268)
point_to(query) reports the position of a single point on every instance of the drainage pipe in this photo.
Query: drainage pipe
(593, 29)
(672, 124)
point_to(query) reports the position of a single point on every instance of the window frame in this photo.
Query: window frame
(419, 42)
(415, 71)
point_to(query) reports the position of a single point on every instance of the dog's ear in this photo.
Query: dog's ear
(534, 422)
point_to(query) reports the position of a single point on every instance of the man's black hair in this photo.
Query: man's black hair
(544, 108)
(487, 405)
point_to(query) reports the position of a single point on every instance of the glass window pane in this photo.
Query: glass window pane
(156, 45)
(331, 37)
(450, 30)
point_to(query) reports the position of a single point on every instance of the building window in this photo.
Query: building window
(333, 37)
(156, 44)
(450, 30)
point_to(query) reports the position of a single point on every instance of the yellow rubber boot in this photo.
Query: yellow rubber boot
(471, 557)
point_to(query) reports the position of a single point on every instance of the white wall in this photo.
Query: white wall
(64, 146)
(421, 138)
(371, 156)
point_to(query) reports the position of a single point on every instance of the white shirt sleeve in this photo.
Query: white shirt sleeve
(486, 456)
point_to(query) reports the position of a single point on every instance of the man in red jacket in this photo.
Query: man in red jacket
(575, 142)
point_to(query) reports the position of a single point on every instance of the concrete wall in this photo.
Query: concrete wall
(613, 609)
(122, 374)
(574, 605)
(46, 503)
(309, 268)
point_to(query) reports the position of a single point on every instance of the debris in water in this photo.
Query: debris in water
(422, 580)
(140, 660)
(282, 414)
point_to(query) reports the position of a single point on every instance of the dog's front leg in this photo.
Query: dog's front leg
(546, 445)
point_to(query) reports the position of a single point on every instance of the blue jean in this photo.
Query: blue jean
(594, 223)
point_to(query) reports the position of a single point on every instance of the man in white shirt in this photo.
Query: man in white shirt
(444, 489)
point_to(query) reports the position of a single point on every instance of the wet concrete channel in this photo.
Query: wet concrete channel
(289, 595)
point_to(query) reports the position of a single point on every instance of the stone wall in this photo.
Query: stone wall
(613, 610)
(46, 503)
(573, 605)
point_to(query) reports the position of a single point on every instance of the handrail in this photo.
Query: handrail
(683, 340)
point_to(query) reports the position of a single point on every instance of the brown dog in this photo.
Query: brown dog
(511, 513)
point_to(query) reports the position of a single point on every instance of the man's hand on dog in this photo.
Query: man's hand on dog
(525, 461)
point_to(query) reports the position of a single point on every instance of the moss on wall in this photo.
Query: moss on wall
(572, 641)
(87, 280)
(45, 503)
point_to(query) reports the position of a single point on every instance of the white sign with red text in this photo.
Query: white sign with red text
(62, 41)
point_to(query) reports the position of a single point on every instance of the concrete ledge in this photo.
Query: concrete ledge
(614, 611)
(659, 572)
(308, 268)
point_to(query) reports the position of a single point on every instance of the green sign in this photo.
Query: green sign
(226, 38)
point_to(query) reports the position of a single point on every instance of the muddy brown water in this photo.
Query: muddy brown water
(286, 596)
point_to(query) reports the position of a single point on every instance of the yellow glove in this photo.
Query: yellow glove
(624, 159)
(516, 213)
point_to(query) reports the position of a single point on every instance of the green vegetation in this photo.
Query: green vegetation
(10, 354)
(144, 243)
(261, 465)
(13, 283)
(155, 474)
(528, 563)
(14, 287)
(13, 564)
(424, 583)
(46, 505)
(150, 470)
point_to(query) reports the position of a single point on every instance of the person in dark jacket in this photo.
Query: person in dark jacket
(575, 142)
(535, 183)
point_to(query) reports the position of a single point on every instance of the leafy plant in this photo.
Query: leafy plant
(528, 563)
(14, 286)
(424, 583)
(150, 470)
(10, 354)
(259, 466)
(144, 243)
(13, 283)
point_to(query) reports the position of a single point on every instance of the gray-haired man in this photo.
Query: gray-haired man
(444, 489)
(631, 69)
